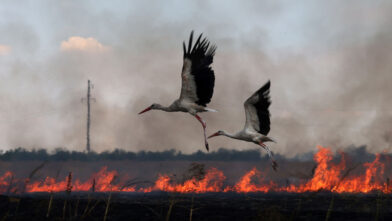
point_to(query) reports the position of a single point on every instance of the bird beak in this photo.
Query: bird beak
(213, 135)
(145, 110)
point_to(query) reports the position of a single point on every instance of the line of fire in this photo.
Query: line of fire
(327, 176)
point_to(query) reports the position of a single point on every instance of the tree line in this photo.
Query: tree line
(357, 153)
(60, 154)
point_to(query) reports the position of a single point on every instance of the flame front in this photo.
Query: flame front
(327, 177)
(212, 182)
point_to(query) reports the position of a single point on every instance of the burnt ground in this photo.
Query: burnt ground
(210, 206)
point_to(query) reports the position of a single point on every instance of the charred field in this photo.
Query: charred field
(207, 206)
(352, 185)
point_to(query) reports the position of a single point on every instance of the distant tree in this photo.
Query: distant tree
(61, 154)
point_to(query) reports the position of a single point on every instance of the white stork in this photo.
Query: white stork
(198, 81)
(257, 123)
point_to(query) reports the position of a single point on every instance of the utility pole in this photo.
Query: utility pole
(88, 116)
(89, 87)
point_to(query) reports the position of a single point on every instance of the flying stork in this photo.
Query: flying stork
(257, 123)
(198, 81)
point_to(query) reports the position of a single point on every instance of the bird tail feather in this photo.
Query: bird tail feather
(210, 109)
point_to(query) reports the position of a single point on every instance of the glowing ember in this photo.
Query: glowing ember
(328, 176)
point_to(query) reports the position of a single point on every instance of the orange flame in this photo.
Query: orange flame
(212, 182)
(245, 184)
(5, 181)
(328, 176)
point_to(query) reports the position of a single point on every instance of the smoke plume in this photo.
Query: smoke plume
(329, 64)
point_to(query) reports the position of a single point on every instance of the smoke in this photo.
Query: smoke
(329, 64)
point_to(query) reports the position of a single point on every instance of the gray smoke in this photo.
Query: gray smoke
(330, 87)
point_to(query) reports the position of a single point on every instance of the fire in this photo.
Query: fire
(245, 184)
(328, 176)
(371, 180)
(212, 182)
(5, 181)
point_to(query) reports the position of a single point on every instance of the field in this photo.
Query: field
(326, 188)
(210, 206)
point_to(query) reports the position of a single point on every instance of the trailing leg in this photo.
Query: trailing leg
(203, 123)
(270, 154)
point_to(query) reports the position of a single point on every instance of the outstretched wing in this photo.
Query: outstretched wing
(198, 78)
(256, 110)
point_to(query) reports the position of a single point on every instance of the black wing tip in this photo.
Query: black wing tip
(211, 50)
(184, 47)
(201, 55)
(262, 107)
(267, 85)
(200, 48)
(264, 90)
(190, 42)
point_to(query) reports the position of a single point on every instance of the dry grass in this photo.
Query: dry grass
(31, 175)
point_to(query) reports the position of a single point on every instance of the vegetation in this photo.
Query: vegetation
(60, 154)
(223, 206)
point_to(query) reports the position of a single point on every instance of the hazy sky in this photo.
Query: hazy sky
(330, 64)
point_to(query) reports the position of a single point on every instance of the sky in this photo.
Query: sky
(329, 64)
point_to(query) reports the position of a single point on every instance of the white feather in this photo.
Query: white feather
(210, 109)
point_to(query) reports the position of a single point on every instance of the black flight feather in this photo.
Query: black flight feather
(201, 56)
(262, 107)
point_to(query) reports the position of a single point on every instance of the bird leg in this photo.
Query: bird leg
(203, 123)
(270, 154)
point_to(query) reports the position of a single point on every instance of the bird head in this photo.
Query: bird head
(151, 107)
(220, 132)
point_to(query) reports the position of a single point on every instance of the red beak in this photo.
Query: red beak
(213, 135)
(145, 110)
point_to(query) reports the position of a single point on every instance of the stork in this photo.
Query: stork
(257, 123)
(198, 81)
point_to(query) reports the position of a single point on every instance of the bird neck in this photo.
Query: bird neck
(230, 135)
(164, 108)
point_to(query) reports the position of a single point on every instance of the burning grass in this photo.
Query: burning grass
(328, 176)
